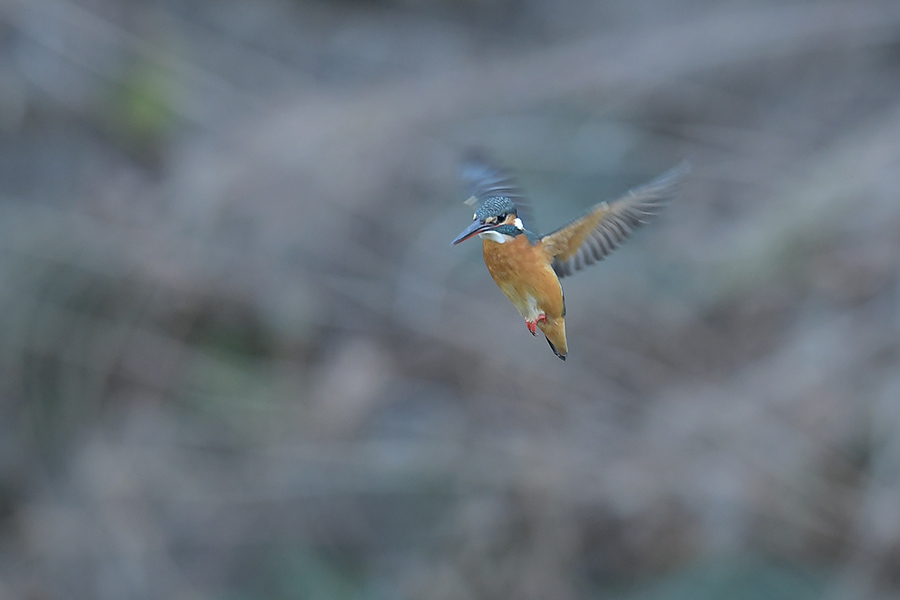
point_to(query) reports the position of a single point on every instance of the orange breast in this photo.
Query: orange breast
(523, 273)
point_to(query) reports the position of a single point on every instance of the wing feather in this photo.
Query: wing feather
(484, 179)
(607, 225)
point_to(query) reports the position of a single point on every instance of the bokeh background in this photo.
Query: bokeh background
(239, 358)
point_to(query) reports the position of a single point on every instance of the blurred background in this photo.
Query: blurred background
(239, 358)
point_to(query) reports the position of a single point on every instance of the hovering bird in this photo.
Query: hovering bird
(527, 267)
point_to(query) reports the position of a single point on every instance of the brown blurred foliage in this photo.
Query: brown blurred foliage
(239, 359)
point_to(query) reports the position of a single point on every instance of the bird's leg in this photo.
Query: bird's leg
(532, 325)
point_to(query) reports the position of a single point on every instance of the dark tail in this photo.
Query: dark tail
(555, 351)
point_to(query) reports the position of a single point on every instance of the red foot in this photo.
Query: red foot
(532, 325)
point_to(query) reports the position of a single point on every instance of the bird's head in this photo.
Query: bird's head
(494, 218)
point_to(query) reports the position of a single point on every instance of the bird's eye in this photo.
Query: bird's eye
(501, 218)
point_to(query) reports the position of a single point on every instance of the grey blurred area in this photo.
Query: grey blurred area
(239, 358)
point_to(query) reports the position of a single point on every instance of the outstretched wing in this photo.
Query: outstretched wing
(484, 179)
(607, 225)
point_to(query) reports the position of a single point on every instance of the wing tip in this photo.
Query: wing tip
(476, 164)
(671, 178)
(648, 198)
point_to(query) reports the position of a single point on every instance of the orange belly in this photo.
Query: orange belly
(524, 274)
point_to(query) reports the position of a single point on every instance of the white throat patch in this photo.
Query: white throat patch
(495, 236)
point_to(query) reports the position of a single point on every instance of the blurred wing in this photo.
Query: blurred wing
(484, 179)
(607, 225)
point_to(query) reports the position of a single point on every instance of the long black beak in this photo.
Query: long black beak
(473, 229)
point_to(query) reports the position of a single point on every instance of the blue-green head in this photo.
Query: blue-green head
(494, 218)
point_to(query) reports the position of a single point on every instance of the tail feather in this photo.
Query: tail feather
(555, 351)
(555, 330)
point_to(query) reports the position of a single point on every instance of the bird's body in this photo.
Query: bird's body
(527, 267)
(522, 271)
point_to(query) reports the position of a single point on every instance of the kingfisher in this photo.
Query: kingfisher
(526, 266)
